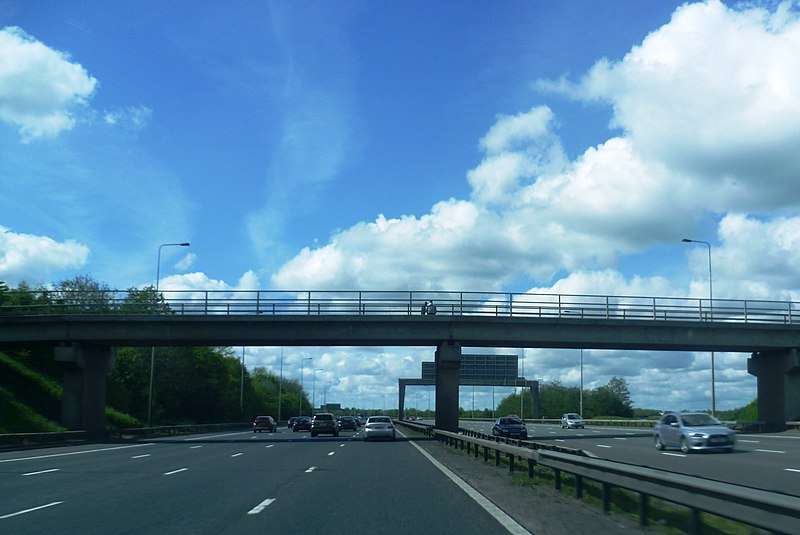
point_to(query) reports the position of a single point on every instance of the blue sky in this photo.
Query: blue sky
(522, 146)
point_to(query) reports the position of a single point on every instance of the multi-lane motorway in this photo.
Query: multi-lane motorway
(241, 482)
(766, 461)
(237, 483)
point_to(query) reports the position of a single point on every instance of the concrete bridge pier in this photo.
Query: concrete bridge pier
(448, 363)
(83, 406)
(778, 383)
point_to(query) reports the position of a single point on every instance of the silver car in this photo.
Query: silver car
(693, 431)
(572, 420)
(379, 427)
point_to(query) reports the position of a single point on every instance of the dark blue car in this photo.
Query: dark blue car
(511, 427)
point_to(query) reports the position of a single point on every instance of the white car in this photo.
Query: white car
(571, 420)
(379, 427)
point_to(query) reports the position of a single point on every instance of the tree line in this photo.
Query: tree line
(555, 399)
(190, 384)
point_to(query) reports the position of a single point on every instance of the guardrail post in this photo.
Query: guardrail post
(643, 499)
(695, 522)
(557, 478)
(469, 448)
(497, 457)
(606, 496)
(511, 462)
(531, 468)
(485, 454)
(578, 486)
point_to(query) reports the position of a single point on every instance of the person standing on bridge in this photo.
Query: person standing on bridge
(424, 309)
(431, 308)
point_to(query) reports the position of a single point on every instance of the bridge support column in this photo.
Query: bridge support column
(448, 363)
(778, 383)
(401, 402)
(83, 405)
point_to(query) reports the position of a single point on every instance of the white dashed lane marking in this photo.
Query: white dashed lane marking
(42, 472)
(260, 507)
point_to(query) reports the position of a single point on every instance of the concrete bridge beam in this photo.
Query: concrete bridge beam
(778, 382)
(83, 406)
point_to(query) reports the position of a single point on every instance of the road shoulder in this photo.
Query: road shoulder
(540, 509)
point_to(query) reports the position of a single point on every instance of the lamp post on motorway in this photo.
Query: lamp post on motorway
(302, 366)
(581, 397)
(241, 388)
(314, 391)
(711, 316)
(155, 311)
(325, 395)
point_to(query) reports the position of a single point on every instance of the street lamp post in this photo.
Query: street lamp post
(302, 385)
(711, 316)
(325, 395)
(153, 348)
(280, 387)
(241, 388)
(581, 397)
(314, 391)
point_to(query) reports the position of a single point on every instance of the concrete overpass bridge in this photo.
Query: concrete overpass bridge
(82, 331)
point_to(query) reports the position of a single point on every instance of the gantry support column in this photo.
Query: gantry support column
(533, 388)
(448, 363)
(401, 402)
(778, 383)
(83, 405)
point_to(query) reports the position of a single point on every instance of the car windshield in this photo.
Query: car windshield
(509, 421)
(697, 420)
(573, 416)
(323, 417)
(380, 420)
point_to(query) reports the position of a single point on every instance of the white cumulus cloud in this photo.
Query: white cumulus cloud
(39, 87)
(25, 257)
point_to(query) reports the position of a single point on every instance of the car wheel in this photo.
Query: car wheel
(294, 430)
(659, 444)
(394, 437)
(313, 434)
(684, 445)
(336, 434)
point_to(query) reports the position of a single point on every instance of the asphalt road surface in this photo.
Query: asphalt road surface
(238, 482)
(765, 461)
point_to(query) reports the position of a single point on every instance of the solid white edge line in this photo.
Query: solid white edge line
(260, 507)
(32, 509)
(791, 469)
(498, 514)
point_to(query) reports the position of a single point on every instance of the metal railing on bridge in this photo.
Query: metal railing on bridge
(403, 303)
